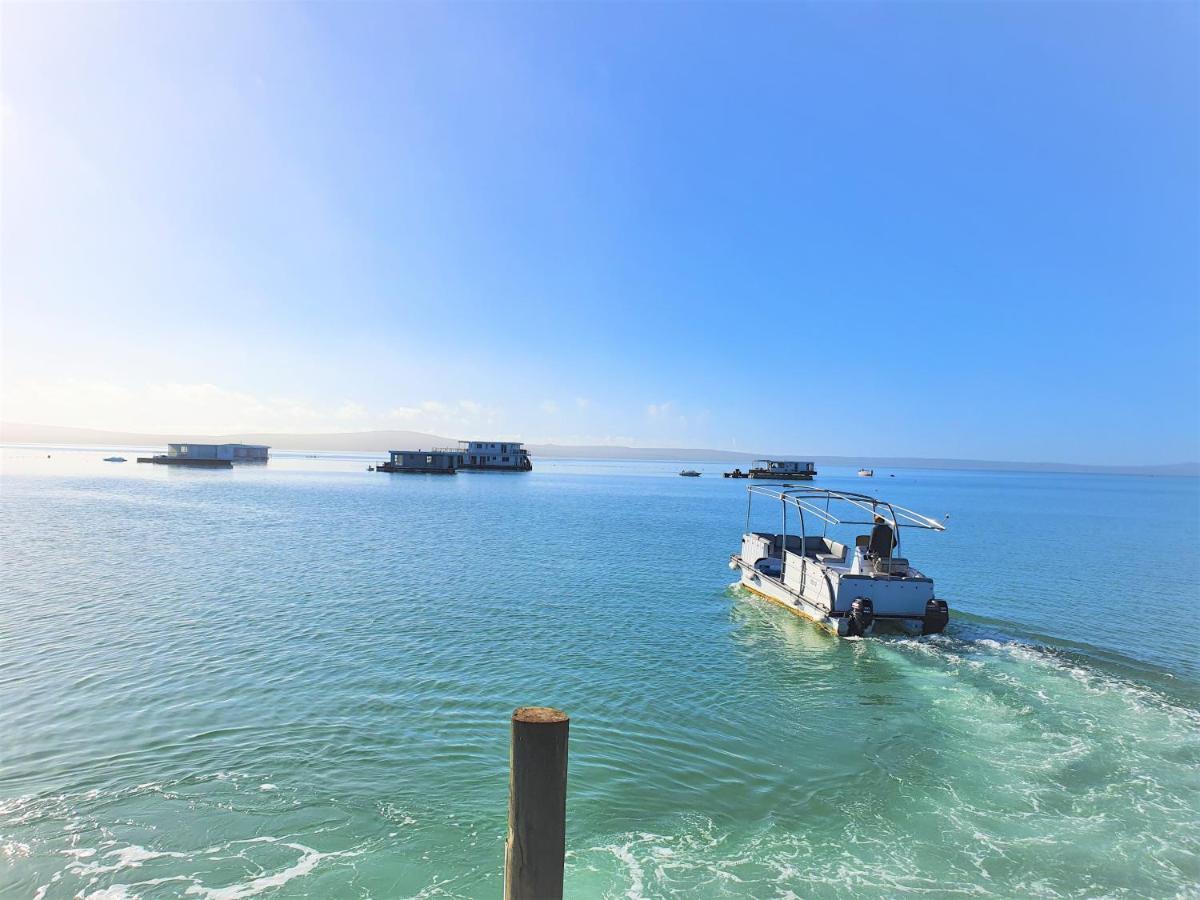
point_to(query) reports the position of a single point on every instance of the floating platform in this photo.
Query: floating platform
(782, 470)
(187, 461)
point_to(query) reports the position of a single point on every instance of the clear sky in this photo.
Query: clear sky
(942, 229)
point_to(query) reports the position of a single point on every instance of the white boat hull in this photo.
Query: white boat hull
(840, 624)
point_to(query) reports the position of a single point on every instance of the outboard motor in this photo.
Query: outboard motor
(862, 614)
(937, 614)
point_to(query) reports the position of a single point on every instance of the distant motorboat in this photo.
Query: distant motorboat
(690, 473)
(866, 473)
(114, 459)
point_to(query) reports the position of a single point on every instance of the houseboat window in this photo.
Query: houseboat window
(429, 460)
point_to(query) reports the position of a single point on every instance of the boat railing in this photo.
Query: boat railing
(521, 451)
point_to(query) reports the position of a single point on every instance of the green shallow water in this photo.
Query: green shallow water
(295, 680)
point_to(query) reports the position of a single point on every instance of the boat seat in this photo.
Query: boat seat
(824, 549)
(897, 565)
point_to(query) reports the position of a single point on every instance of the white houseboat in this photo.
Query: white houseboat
(221, 456)
(852, 590)
(501, 456)
(420, 462)
(784, 469)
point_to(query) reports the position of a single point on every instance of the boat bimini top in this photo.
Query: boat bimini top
(852, 509)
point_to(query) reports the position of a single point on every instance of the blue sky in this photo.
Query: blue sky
(940, 229)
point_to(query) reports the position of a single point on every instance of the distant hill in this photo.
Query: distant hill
(382, 441)
(606, 451)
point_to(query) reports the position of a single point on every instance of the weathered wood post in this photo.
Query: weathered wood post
(537, 805)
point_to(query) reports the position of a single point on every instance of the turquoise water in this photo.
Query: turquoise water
(295, 680)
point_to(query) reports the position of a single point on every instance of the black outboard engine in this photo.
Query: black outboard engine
(937, 614)
(862, 614)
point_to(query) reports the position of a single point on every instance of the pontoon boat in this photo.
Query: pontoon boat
(851, 590)
(783, 469)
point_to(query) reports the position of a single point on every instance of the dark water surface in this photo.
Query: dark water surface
(295, 680)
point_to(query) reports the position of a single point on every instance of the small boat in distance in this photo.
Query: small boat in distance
(852, 591)
(690, 473)
(866, 473)
(114, 459)
(737, 473)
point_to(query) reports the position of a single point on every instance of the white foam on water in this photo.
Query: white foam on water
(309, 860)
(112, 892)
(14, 848)
(632, 869)
(395, 814)
(130, 857)
(267, 787)
(1094, 681)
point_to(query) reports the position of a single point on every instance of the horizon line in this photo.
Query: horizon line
(859, 458)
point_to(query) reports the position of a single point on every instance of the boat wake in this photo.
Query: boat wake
(126, 869)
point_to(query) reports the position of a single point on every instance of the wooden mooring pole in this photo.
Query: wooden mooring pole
(537, 805)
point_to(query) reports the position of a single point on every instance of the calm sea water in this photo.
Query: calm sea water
(295, 680)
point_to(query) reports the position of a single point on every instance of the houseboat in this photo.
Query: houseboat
(737, 473)
(783, 469)
(866, 473)
(497, 456)
(852, 589)
(420, 462)
(209, 456)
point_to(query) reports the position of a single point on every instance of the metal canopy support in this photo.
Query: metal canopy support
(806, 499)
(783, 545)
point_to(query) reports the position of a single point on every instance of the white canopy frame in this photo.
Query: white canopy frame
(817, 501)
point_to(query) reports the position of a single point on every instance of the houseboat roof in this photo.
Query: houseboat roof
(817, 501)
(218, 444)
